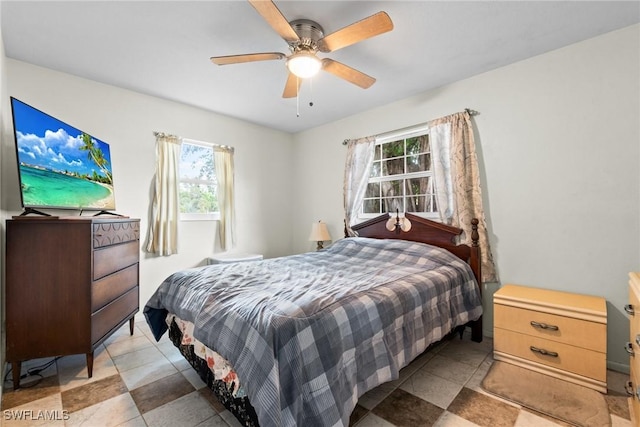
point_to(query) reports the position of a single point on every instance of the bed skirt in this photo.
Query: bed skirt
(240, 407)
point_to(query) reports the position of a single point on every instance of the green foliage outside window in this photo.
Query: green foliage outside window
(198, 186)
(195, 198)
(401, 177)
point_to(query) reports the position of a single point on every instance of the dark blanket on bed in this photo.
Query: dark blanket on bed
(308, 334)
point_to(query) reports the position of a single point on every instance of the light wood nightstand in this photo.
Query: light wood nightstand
(560, 334)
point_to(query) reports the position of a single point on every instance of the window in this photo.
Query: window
(198, 185)
(401, 176)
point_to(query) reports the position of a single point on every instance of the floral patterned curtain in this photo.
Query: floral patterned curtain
(457, 182)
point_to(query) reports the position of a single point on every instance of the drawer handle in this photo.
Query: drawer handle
(629, 309)
(629, 347)
(638, 340)
(543, 351)
(544, 326)
(629, 388)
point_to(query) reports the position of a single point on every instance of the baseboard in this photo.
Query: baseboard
(618, 367)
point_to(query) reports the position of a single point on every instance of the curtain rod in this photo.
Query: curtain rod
(162, 134)
(210, 144)
(467, 110)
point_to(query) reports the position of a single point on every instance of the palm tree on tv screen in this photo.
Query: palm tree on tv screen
(96, 155)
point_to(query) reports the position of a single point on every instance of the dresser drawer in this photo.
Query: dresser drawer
(113, 258)
(633, 310)
(634, 319)
(576, 332)
(113, 233)
(110, 287)
(113, 314)
(579, 361)
(634, 344)
(634, 388)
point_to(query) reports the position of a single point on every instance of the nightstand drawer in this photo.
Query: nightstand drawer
(561, 356)
(567, 330)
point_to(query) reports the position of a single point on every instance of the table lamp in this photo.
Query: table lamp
(319, 233)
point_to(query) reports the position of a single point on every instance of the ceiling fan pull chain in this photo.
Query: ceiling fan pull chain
(297, 96)
(311, 91)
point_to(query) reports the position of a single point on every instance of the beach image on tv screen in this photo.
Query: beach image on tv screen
(59, 165)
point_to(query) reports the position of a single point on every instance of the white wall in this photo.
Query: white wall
(126, 120)
(558, 140)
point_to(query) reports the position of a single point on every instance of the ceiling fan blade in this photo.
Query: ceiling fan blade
(251, 57)
(368, 27)
(292, 86)
(347, 73)
(268, 10)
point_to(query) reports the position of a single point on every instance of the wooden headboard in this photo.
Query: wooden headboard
(434, 233)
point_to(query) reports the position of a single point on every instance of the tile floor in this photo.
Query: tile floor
(138, 382)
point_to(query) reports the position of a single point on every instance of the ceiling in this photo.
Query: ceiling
(162, 48)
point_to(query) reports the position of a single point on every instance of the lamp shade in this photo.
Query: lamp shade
(405, 224)
(391, 224)
(319, 232)
(304, 64)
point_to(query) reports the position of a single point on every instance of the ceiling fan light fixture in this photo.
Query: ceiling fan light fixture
(304, 64)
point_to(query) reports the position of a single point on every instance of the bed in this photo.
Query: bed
(297, 340)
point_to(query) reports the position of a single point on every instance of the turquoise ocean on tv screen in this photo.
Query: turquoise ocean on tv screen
(46, 188)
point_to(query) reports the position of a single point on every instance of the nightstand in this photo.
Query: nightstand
(227, 258)
(560, 334)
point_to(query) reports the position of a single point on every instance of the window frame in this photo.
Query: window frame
(191, 216)
(402, 134)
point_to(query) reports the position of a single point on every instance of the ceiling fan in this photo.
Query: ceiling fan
(305, 38)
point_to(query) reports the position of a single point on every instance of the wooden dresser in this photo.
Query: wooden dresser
(633, 346)
(70, 283)
(560, 334)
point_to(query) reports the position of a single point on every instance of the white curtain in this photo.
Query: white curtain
(440, 138)
(162, 236)
(223, 158)
(356, 176)
(457, 182)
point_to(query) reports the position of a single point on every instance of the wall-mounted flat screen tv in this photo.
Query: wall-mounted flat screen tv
(60, 166)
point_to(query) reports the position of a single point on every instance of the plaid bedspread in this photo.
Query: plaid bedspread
(309, 334)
